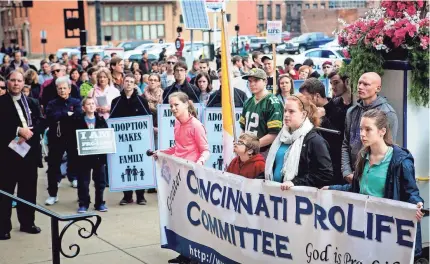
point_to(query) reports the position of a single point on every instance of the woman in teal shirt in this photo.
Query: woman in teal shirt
(384, 169)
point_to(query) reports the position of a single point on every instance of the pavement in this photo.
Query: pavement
(127, 234)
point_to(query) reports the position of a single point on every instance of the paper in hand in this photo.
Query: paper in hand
(22, 149)
(102, 100)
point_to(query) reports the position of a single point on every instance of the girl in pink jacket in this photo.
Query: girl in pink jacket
(190, 135)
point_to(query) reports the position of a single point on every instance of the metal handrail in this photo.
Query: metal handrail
(56, 235)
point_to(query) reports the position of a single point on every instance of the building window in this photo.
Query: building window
(288, 11)
(260, 12)
(278, 12)
(160, 31)
(107, 14)
(146, 32)
(131, 32)
(269, 12)
(115, 35)
(322, 6)
(260, 27)
(160, 13)
(307, 6)
(123, 32)
(299, 6)
(123, 13)
(289, 27)
(139, 32)
(138, 14)
(107, 31)
(131, 14)
(154, 32)
(152, 13)
(145, 13)
(315, 6)
(115, 13)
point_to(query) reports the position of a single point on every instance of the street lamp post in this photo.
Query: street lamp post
(237, 37)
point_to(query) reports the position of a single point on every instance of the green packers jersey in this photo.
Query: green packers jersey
(262, 118)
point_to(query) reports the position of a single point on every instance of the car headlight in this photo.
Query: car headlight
(295, 44)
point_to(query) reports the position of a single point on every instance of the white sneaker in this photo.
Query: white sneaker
(59, 184)
(51, 200)
(75, 184)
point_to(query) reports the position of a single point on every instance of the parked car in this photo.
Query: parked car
(91, 50)
(307, 41)
(136, 55)
(320, 55)
(332, 44)
(131, 45)
(257, 44)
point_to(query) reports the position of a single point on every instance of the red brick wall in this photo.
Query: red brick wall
(247, 17)
(49, 16)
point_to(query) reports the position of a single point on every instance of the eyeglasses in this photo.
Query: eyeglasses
(241, 143)
(326, 67)
(171, 62)
(179, 70)
(56, 71)
(3, 87)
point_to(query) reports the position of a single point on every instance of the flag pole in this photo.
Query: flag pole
(228, 62)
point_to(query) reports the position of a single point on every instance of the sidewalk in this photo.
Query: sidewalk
(128, 234)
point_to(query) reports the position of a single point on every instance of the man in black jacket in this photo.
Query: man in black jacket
(129, 103)
(332, 113)
(21, 124)
(310, 63)
(181, 84)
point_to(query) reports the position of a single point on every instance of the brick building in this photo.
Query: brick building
(149, 20)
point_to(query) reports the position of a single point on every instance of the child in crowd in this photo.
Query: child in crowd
(249, 162)
(84, 164)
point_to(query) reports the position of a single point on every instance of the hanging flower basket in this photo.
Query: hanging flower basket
(397, 30)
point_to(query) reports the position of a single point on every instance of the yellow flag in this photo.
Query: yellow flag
(226, 98)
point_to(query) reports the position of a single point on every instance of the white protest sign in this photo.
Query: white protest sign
(95, 141)
(166, 125)
(215, 5)
(217, 217)
(212, 121)
(274, 32)
(130, 168)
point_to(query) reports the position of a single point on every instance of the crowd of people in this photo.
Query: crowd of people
(296, 139)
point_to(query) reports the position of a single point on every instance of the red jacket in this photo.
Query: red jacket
(250, 169)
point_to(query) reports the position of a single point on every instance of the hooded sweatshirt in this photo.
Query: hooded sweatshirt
(251, 169)
(352, 143)
(191, 142)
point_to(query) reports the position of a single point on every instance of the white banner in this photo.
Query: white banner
(274, 32)
(217, 217)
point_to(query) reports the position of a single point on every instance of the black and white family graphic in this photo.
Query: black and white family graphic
(132, 174)
(219, 163)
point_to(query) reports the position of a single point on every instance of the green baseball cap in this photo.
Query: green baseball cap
(256, 73)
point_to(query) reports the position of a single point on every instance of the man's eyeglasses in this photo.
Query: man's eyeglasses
(56, 71)
(171, 62)
(3, 87)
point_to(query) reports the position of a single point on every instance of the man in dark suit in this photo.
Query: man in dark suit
(144, 64)
(21, 124)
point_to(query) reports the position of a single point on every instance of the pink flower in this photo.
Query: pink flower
(420, 3)
(411, 10)
(424, 42)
